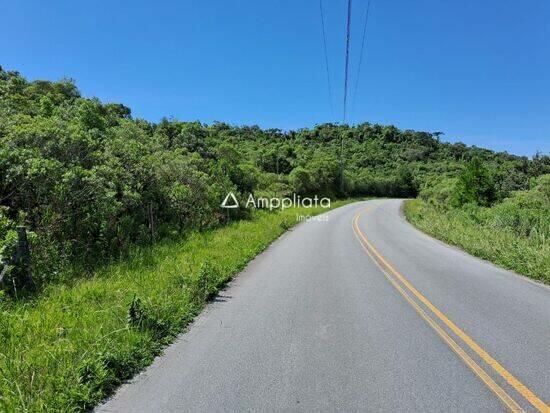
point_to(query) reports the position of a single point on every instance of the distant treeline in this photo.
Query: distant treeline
(88, 180)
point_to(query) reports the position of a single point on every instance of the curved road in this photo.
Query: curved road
(358, 312)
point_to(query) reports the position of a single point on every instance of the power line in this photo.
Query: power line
(363, 41)
(326, 58)
(348, 26)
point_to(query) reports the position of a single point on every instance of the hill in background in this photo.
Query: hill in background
(89, 180)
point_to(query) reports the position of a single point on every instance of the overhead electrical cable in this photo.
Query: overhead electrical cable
(346, 70)
(363, 42)
(348, 27)
(326, 58)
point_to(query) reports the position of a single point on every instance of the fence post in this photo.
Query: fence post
(23, 255)
(21, 260)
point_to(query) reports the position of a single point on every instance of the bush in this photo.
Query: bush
(475, 185)
(439, 192)
(512, 234)
(526, 213)
(90, 181)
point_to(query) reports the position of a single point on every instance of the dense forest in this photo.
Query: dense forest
(92, 184)
(88, 180)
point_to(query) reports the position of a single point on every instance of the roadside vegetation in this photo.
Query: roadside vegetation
(68, 348)
(127, 240)
(89, 181)
(513, 232)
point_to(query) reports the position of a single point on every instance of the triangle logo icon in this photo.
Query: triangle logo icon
(230, 201)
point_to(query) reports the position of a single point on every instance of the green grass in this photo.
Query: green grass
(74, 344)
(479, 232)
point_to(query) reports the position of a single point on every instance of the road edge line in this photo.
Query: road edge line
(514, 382)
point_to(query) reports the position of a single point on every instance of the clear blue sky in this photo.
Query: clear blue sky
(477, 70)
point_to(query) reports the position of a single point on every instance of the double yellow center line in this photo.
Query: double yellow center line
(409, 292)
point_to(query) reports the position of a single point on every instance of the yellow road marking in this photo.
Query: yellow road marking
(514, 382)
(501, 394)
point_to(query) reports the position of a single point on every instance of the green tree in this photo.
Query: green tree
(90, 180)
(475, 185)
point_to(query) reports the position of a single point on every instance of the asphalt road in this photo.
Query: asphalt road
(361, 312)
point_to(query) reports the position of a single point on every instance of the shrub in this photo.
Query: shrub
(475, 185)
(90, 181)
(526, 213)
(439, 192)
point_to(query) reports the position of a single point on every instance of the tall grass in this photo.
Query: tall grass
(512, 234)
(71, 346)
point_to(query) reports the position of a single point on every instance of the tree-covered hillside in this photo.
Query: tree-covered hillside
(88, 179)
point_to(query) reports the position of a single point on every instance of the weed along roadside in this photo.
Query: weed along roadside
(73, 345)
(197, 140)
(512, 234)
